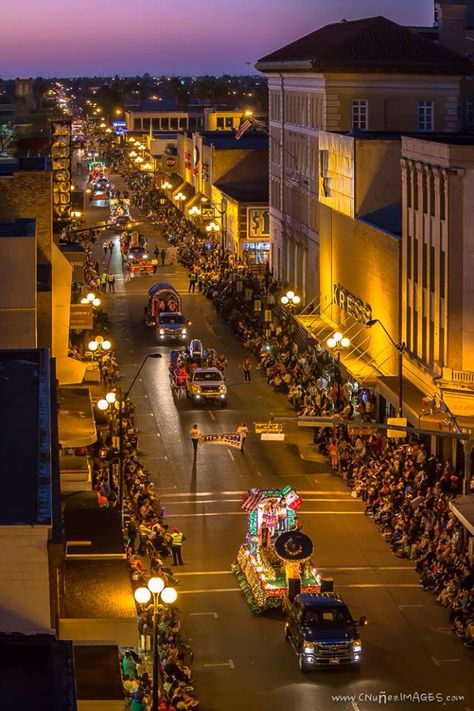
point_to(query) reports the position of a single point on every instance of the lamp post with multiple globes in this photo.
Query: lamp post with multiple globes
(337, 343)
(156, 589)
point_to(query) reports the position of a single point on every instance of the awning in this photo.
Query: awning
(76, 418)
(186, 189)
(413, 406)
(174, 180)
(70, 371)
(463, 509)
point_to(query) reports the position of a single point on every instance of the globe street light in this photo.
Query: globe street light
(290, 299)
(337, 343)
(156, 589)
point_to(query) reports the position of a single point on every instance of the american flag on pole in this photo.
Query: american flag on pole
(252, 499)
(244, 126)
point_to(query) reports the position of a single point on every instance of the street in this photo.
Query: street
(242, 661)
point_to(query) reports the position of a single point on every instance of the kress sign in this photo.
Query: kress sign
(351, 305)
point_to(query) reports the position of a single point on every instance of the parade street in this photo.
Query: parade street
(408, 646)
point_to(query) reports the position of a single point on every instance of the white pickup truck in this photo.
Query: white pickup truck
(206, 384)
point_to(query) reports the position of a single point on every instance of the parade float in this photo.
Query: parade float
(275, 561)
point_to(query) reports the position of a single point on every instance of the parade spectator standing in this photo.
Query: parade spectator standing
(247, 367)
(177, 539)
(195, 434)
(193, 277)
(103, 282)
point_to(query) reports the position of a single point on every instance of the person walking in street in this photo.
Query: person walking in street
(163, 257)
(247, 367)
(195, 435)
(111, 281)
(242, 430)
(103, 282)
(111, 247)
(177, 539)
(154, 263)
(193, 277)
(105, 248)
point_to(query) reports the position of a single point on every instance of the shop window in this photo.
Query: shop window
(183, 122)
(165, 123)
(174, 122)
(146, 124)
(360, 112)
(425, 117)
(229, 122)
(220, 122)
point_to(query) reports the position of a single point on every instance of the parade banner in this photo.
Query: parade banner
(231, 439)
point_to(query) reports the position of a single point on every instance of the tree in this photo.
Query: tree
(7, 135)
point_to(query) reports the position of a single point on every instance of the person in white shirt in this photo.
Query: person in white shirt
(242, 430)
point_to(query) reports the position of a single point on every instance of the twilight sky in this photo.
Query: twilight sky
(106, 37)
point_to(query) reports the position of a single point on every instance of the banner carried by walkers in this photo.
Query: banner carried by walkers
(231, 439)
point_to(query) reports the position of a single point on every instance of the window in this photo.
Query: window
(229, 122)
(146, 124)
(470, 112)
(360, 114)
(174, 122)
(183, 122)
(220, 122)
(425, 116)
(137, 124)
(165, 123)
(155, 122)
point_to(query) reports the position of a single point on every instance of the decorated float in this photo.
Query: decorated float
(275, 561)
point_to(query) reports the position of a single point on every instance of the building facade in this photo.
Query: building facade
(438, 258)
(365, 75)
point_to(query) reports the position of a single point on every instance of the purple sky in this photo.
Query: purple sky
(103, 37)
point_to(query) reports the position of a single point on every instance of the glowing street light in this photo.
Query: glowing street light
(337, 343)
(166, 185)
(290, 299)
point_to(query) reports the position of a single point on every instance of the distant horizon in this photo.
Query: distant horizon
(105, 39)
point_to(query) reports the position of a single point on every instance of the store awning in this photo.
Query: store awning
(186, 189)
(413, 406)
(76, 418)
(463, 509)
(174, 180)
(70, 371)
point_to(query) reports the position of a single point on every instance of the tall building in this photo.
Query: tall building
(438, 255)
(363, 75)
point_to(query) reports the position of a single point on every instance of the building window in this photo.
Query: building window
(220, 122)
(146, 124)
(165, 123)
(360, 110)
(229, 122)
(155, 122)
(183, 122)
(137, 124)
(470, 112)
(174, 122)
(425, 116)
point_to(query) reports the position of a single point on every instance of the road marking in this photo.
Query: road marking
(379, 585)
(368, 567)
(230, 664)
(202, 614)
(207, 572)
(440, 661)
(212, 415)
(231, 455)
(402, 607)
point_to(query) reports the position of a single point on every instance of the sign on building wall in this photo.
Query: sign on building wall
(61, 166)
(76, 260)
(350, 304)
(81, 317)
(258, 222)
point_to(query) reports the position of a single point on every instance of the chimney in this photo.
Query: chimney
(451, 17)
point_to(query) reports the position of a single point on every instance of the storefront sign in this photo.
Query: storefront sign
(258, 222)
(171, 162)
(120, 127)
(61, 166)
(76, 260)
(81, 317)
(351, 305)
(207, 213)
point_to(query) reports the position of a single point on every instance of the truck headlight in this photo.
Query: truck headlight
(357, 646)
(196, 388)
(162, 331)
(308, 647)
(183, 331)
(222, 388)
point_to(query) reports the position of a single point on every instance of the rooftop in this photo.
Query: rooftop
(98, 676)
(97, 529)
(247, 181)
(36, 672)
(97, 589)
(388, 219)
(369, 44)
(25, 442)
(226, 140)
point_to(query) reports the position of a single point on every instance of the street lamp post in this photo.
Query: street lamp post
(110, 400)
(337, 343)
(157, 590)
(290, 300)
(401, 348)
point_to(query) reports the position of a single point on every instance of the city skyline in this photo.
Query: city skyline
(142, 38)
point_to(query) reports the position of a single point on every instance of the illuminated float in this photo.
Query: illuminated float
(275, 561)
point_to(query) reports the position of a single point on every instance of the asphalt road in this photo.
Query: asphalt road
(242, 661)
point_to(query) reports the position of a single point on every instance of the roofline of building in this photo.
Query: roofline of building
(313, 66)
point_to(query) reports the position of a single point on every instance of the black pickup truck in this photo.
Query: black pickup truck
(322, 631)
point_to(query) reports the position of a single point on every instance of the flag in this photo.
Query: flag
(252, 499)
(244, 126)
(231, 439)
